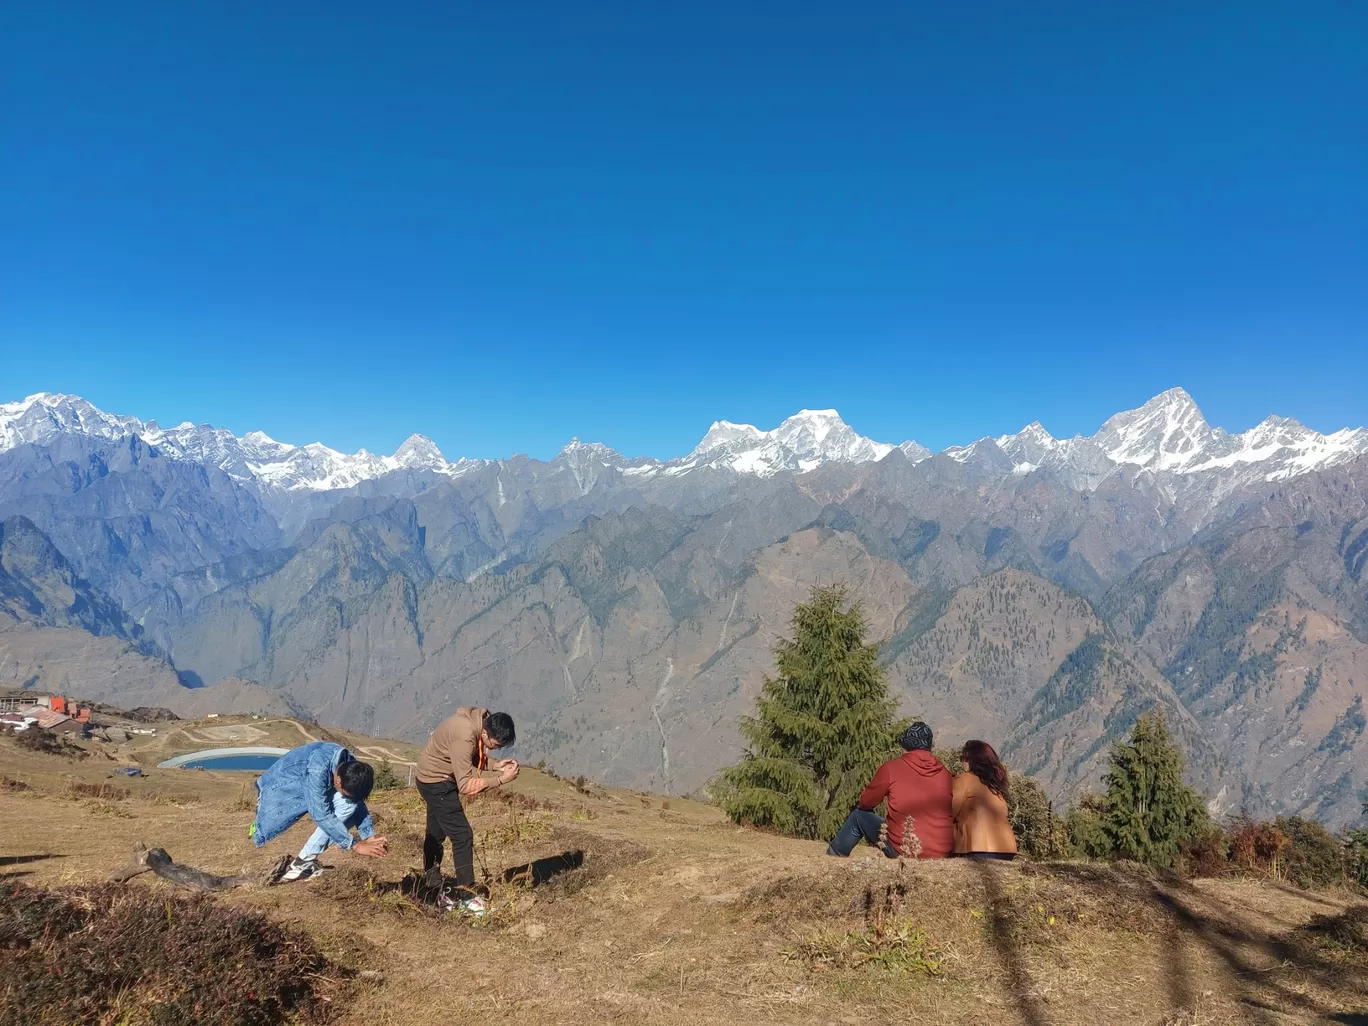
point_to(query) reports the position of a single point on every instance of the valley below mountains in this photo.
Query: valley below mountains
(1039, 593)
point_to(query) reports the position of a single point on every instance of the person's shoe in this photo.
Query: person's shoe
(474, 907)
(301, 869)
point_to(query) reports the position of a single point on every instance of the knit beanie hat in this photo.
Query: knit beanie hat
(916, 736)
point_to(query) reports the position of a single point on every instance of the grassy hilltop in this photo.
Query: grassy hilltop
(624, 908)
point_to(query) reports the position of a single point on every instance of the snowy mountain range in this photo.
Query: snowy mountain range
(1038, 590)
(1167, 438)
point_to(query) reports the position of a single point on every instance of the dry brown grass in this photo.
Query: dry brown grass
(611, 908)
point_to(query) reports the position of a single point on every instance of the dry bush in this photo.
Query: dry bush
(888, 938)
(1256, 847)
(1344, 935)
(177, 800)
(77, 790)
(896, 946)
(36, 739)
(246, 800)
(8, 785)
(799, 898)
(112, 954)
(1207, 856)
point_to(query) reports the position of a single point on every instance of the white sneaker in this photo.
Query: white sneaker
(474, 906)
(302, 869)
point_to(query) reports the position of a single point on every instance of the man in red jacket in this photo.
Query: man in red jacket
(917, 786)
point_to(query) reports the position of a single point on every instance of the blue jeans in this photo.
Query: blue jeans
(859, 823)
(349, 812)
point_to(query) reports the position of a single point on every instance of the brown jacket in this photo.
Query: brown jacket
(453, 751)
(981, 822)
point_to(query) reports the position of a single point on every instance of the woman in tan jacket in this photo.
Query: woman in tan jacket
(979, 805)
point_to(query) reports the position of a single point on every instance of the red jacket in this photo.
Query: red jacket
(918, 787)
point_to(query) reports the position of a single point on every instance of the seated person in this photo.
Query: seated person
(917, 786)
(982, 828)
(325, 782)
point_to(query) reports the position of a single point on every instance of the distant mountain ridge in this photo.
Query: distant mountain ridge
(1041, 592)
(1166, 436)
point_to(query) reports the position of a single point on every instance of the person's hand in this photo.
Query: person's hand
(508, 772)
(375, 847)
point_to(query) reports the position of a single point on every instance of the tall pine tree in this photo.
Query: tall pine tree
(1149, 811)
(822, 725)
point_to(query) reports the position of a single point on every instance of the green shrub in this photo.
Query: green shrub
(1149, 812)
(1314, 857)
(1356, 856)
(1083, 828)
(1029, 812)
(386, 779)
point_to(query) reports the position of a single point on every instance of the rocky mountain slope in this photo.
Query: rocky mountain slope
(1037, 592)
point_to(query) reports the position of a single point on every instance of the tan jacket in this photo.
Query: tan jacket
(981, 822)
(453, 751)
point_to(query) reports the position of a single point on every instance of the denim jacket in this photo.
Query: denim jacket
(299, 782)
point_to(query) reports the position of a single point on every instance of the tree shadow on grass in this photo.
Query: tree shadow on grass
(1226, 939)
(1252, 956)
(23, 860)
(1007, 950)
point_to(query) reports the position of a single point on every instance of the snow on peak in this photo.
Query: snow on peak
(724, 433)
(1167, 436)
(800, 443)
(419, 451)
(1166, 433)
(43, 416)
(255, 457)
(1027, 448)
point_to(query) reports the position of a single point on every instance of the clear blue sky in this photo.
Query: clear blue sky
(501, 224)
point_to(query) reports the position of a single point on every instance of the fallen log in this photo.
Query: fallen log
(156, 860)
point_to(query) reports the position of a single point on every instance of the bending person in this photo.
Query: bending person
(325, 782)
(451, 765)
(983, 829)
(917, 786)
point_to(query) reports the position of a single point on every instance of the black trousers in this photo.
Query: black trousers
(446, 819)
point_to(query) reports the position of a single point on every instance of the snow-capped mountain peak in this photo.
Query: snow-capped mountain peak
(800, 443)
(41, 417)
(419, 451)
(1027, 448)
(1166, 438)
(725, 435)
(1166, 433)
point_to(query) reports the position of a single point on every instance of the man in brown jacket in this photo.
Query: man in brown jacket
(451, 765)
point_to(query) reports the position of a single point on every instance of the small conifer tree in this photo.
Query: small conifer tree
(1148, 810)
(822, 725)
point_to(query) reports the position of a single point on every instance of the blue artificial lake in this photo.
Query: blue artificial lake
(233, 762)
(251, 759)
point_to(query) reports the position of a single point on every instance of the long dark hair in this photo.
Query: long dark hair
(984, 763)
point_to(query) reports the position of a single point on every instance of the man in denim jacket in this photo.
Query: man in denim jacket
(326, 782)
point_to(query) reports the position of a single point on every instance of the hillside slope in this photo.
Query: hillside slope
(662, 912)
